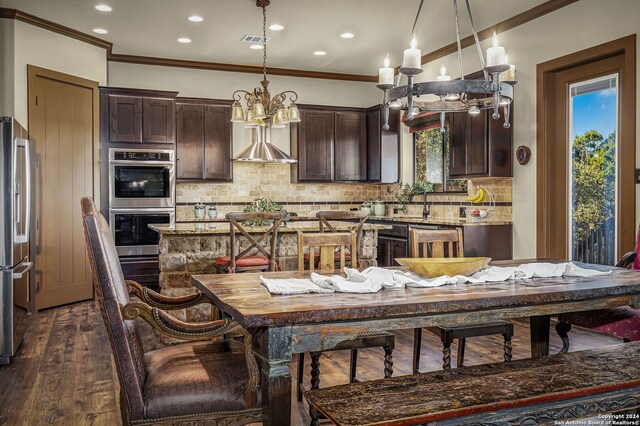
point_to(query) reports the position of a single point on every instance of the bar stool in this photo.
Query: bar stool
(332, 245)
(247, 260)
(448, 243)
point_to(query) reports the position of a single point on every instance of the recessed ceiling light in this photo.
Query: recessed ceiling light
(256, 46)
(104, 8)
(100, 31)
(195, 18)
(347, 35)
(184, 40)
(276, 27)
(319, 53)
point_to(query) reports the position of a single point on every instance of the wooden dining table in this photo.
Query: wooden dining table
(285, 325)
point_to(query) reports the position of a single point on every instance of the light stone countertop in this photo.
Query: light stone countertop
(418, 220)
(222, 228)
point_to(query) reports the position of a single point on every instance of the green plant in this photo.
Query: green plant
(406, 191)
(262, 205)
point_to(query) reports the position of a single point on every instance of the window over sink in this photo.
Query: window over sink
(431, 153)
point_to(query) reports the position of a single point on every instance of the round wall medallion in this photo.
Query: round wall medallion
(523, 154)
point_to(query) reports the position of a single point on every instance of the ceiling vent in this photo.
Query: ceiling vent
(254, 39)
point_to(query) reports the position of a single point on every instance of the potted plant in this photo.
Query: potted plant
(262, 205)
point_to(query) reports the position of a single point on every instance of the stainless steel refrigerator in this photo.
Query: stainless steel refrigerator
(16, 207)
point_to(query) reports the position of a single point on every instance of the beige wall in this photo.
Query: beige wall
(43, 48)
(221, 85)
(575, 27)
(6, 66)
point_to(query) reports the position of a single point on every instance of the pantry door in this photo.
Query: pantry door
(63, 126)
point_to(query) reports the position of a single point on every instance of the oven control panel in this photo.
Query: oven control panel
(141, 156)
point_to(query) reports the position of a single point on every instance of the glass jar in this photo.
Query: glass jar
(213, 212)
(198, 210)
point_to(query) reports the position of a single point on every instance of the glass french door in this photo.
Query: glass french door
(593, 170)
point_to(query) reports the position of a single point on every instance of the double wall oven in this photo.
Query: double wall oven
(141, 192)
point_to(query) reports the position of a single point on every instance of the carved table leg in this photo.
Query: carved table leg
(507, 348)
(540, 335)
(563, 328)
(388, 362)
(315, 384)
(446, 356)
(273, 346)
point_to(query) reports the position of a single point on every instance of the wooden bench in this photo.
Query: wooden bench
(532, 391)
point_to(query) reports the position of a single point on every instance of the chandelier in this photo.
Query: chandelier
(447, 95)
(263, 111)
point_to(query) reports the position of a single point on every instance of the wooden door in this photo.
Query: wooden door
(125, 119)
(158, 120)
(350, 146)
(63, 125)
(189, 141)
(312, 140)
(217, 142)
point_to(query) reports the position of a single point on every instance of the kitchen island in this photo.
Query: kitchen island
(186, 249)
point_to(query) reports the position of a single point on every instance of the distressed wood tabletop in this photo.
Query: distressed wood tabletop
(249, 302)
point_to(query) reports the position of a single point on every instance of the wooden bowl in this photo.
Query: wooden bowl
(438, 266)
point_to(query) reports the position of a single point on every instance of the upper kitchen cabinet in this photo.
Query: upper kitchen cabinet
(203, 140)
(338, 144)
(137, 116)
(312, 144)
(480, 145)
(350, 146)
(383, 146)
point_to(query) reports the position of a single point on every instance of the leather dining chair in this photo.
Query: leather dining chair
(201, 381)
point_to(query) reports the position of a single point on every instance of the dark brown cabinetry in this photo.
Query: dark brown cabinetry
(203, 140)
(344, 145)
(480, 145)
(350, 146)
(312, 145)
(137, 116)
(383, 146)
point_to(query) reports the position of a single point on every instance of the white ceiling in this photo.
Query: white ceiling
(151, 27)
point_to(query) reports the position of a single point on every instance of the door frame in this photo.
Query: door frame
(33, 72)
(550, 228)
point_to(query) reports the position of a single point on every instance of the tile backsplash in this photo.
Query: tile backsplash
(273, 181)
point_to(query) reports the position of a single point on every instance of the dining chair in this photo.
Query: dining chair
(353, 221)
(622, 321)
(200, 381)
(253, 258)
(325, 245)
(449, 243)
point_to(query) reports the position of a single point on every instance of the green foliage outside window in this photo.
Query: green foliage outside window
(432, 161)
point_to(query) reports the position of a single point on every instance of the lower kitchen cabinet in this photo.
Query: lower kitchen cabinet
(390, 248)
(144, 270)
(203, 140)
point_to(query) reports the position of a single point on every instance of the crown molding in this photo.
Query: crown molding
(36, 21)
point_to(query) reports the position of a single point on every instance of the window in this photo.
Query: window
(431, 153)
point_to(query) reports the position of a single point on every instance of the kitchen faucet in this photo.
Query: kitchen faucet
(425, 207)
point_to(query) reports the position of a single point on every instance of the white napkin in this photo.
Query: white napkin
(373, 279)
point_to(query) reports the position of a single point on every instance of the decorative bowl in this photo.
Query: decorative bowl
(438, 266)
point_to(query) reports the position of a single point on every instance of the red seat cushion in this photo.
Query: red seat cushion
(244, 261)
(623, 321)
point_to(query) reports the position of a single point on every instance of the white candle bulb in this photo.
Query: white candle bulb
(443, 74)
(412, 55)
(496, 54)
(385, 74)
(510, 74)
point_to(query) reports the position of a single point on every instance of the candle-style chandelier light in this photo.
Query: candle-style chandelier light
(471, 96)
(264, 112)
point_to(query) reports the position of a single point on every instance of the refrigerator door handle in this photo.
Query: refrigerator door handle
(26, 267)
(23, 143)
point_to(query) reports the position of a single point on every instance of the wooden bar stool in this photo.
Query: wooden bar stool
(330, 245)
(448, 243)
(247, 260)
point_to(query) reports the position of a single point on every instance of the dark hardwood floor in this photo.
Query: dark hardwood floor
(64, 372)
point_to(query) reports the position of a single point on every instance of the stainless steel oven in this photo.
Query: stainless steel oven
(131, 231)
(141, 178)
